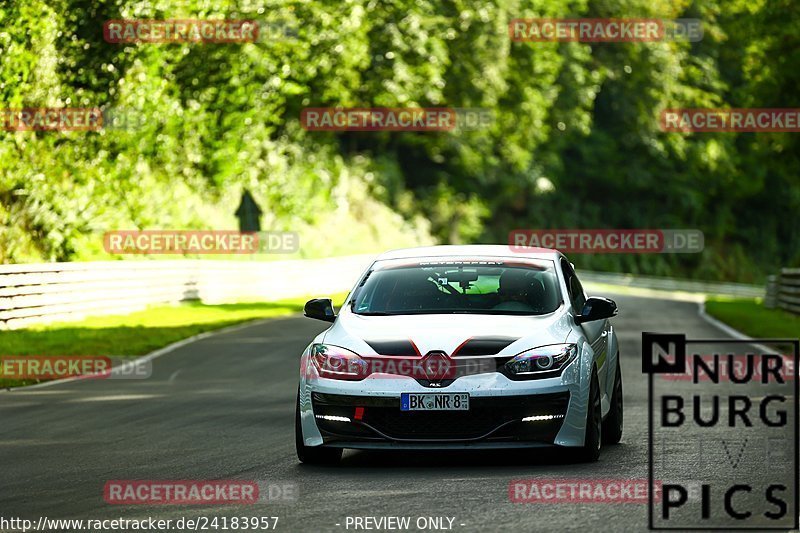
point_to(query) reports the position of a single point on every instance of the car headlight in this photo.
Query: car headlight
(552, 358)
(335, 362)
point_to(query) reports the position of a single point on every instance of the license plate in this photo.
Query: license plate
(440, 401)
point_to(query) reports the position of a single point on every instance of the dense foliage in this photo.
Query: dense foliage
(575, 142)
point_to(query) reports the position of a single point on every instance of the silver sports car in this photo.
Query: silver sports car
(461, 347)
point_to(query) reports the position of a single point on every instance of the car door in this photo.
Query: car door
(596, 332)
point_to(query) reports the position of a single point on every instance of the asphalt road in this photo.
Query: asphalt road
(222, 408)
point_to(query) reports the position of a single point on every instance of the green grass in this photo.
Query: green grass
(749, 316)
(137, 333)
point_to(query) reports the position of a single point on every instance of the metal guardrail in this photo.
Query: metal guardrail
(40, 293)
(783, 291)
(742, 290)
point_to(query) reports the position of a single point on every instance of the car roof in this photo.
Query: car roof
(475, 250)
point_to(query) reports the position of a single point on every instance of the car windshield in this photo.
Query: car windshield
(478, 287)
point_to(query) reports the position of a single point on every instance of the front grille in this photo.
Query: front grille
(437, 424)
(491, 418)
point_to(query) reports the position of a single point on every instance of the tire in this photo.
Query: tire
(312, 455)
(612, 425)
(590, 452)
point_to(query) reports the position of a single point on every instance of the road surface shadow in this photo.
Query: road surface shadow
(387, 460)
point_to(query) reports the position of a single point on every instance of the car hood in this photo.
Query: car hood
(463, 334)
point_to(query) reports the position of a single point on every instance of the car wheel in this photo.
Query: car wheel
(612, 425)
(312, 455)
(590, 451)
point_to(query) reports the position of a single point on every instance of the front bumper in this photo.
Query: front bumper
(493, 419)
(497, 407)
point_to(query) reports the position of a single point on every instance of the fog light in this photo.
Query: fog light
(333, 418)
(359, 413)
(541, 418)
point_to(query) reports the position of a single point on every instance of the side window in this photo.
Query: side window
(579, 297)
(576, 295)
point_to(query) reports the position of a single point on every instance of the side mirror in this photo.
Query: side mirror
(320, 308)
(597, 308)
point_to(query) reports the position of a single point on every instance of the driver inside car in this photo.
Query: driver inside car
(514, 291)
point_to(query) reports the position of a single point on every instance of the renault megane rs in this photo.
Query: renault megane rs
(461, 347)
